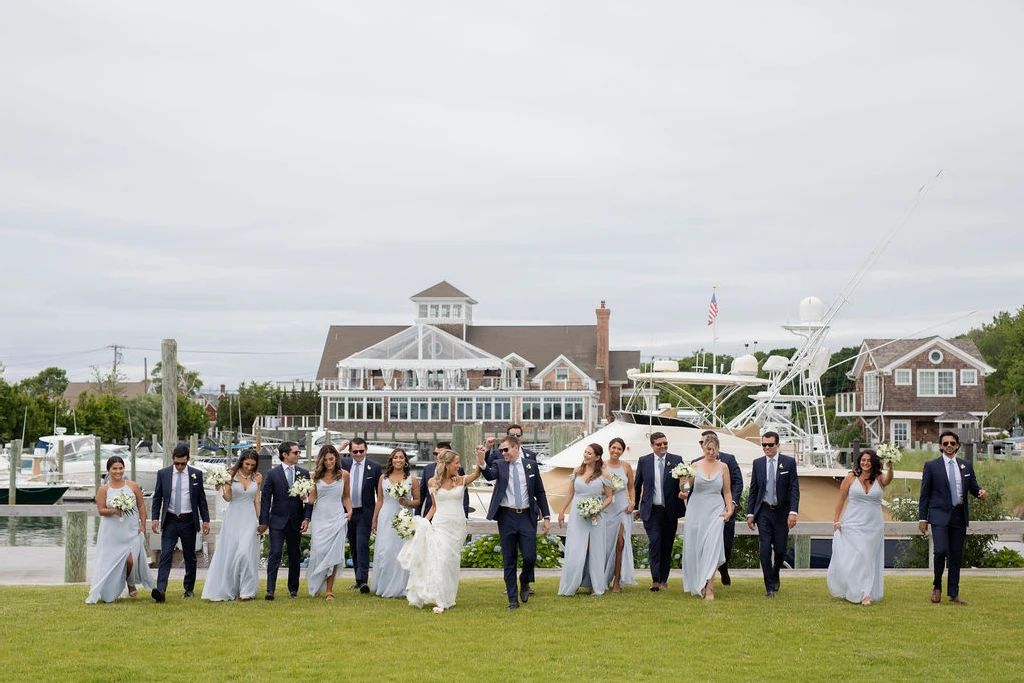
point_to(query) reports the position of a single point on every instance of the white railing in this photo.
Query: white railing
(307, 423)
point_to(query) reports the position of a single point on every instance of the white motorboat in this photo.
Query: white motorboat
(80, 463)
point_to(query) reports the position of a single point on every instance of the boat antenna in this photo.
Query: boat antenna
(74, 416)
(24, 424)
(131, 434)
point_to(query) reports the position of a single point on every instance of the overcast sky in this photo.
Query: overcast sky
(241, 175)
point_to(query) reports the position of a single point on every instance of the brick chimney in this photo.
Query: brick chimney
(603, 314)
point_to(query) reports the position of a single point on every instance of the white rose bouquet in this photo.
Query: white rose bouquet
(403, 525)
(399, 490)
(217, 476)
(683, 471)
(589, 508)
(124, 503)
(301, 488)
(890, 452)
(618, 483)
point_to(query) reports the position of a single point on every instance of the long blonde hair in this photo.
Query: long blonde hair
(444, 458)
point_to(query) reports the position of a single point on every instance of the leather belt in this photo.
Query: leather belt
(187, 515)
(518, 511)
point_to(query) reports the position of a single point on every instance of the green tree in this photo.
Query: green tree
(22, 413)
(146, 413)
(192, 419)
(252, 400)
(189, 382)
(834, 380)
(51, 383)
(112, 382)
(103, 415)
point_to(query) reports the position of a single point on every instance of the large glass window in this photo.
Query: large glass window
(531, 409)
(903, 377)
(899, 431)
(355, 408)
(969, 378)
(936, 383)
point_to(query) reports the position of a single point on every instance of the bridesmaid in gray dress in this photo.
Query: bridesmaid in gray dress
(234, 571)
(120, 560)
(708, 505)
(585, 557)
(389, 579)
(858, 545)
(329, 521)
(619, 519)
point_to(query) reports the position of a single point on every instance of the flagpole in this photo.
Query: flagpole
(714, 358)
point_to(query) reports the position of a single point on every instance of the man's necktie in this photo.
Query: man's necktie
(951, 474)
(180, 476)
(517, 494)
(771, 481)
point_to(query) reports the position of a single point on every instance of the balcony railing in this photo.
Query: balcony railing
(306, 423)
(853, 403)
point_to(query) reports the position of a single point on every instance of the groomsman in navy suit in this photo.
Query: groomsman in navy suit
(660, 506)
(427, 475)
(363, 477)
(517, 502)
(514, 431)
(773, 504)
(285, 516)
(945, 483)
(736, 486)
(179, 503)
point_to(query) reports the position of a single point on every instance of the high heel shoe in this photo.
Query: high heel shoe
(132, 591)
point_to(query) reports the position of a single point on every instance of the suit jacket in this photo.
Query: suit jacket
(277, 508)
(936, 502)
(735, 479)
(537, 498)
(787, 485)
(371, 475)
(428, 473)
(164, 492)
(643, 487)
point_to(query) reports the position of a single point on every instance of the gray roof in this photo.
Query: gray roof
(539, 344)
(886, 351)
(131, 389)
(957, 416)
(442, 290)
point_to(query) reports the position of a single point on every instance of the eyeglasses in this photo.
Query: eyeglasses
(660, 444)
(700, 443)
(517, 435)
(355, 452)
(180, 464)
(503, 450)
(769, 445)
(295, 452)
(437, 453)
(949, 443)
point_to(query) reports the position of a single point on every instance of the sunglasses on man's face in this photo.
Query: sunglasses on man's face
(503, 450)
(355, 452)
(517, 435)
(948, 443)
(769, 445)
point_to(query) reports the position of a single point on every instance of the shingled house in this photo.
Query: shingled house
(443, 370)
(910, 390)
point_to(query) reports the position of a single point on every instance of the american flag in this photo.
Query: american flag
(712, 309)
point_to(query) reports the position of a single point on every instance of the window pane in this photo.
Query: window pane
(945, 382)
(925, 382)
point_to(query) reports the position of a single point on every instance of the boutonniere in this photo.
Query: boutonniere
(528, 466)
(963, 467)
(193, 476)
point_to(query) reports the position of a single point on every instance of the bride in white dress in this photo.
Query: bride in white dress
(433, 555)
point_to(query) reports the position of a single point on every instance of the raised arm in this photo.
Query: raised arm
(887, 474)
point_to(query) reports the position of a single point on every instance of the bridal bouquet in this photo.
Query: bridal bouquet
(403, 525)
(890, 452)
(301, 488)
(124, 502)
(589, 508)
(618, 483)
(217, 476)
(399, 490)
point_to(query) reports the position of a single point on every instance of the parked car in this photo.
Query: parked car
(1014, 443)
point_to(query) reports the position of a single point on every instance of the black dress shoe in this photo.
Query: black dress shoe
(528, 590)
(364, 588)
(268, 596)
(157, 594)
(355, 586)
(726, 579)
(776, 586)
(524, 593)
(513, 605)
(293, 594)
(655, 587)
(187, 594)
(770, 594)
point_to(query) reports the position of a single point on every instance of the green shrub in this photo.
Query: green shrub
(1004, 558)
(485, 552)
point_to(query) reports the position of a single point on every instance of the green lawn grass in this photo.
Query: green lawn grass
(49, 634)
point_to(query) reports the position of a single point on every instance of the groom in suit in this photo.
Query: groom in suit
(517, 502)
(179, 503)
(285, 515)
(363, 477)
(773, 504)
(660, 506)
(736, 486)
(945, 483)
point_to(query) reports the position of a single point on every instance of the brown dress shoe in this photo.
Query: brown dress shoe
(936, 595)
(958, 601)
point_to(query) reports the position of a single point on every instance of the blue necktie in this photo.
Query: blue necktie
(517, 494)
(771, 481)
(177, 493)
(951, 474)
(290, 475)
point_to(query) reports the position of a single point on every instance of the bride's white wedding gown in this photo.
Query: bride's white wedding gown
(433, 555)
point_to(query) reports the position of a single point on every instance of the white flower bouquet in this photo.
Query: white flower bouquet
(618, 483)
(301, 488)
(890, 452)
(124, 503)
(683, 471)
(403, 525)
(589, 508)
(218, 476)
(399, 490)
